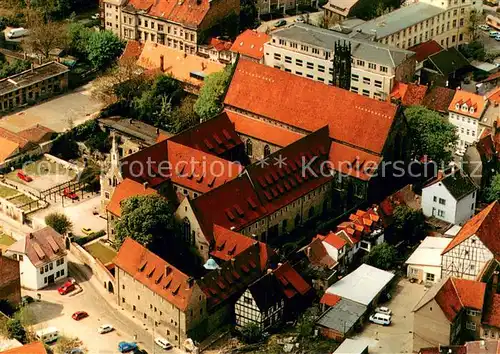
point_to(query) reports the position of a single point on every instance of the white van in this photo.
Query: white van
(47, 335)
(17, 33)
(381, 319)
(163, 343)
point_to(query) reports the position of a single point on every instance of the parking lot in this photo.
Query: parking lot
(56, 310)
(398, 337)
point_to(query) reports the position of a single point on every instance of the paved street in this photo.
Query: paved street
(56, 310)
(398, 337)
(76, 106)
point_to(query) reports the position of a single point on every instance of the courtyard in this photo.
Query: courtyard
(398, 337)
(59, 113)
(100, 251)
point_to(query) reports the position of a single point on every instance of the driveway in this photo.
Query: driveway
(398, 337)
(56, 310)
(58, 114)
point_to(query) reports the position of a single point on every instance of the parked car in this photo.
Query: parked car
(66, 287)
(140, 351)
(17, 33)
(484, 27)
(87, 230)
(26, 299)
(300, 19)
(79, 315)
(497, 38)
(381, 319)
(71, 195)
(23, 176)
(384, 310)
(280, 23)
(95, 16)
(494, 33)
(105, 329)
(74, 351)
(47, 335)
(125, 347)
(163, 343)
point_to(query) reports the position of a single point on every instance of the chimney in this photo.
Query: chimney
(494, 282)
(308, 252)
(145, 184)
(168, 270)
(30, 235)
(157, 131)
(131, 121)
(162, 63)
(190, 282)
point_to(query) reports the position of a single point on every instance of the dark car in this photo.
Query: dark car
(125, 347)
(77, 316)
(25, 300)
(280, 23)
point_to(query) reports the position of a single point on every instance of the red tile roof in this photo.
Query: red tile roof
(133, 50)
(228, 244)
(491, 315)
(182, 165)
(408, 94)
(301, 103)
(439, 99)
(455, 294)
(360, 224)
(159, 276)
(330, 299)
(317, 254)
(426, 49)
(36, 134)
(470, 100)
(488, 145)
(291, 281)
(335, 241)
(250, 43)
(494, 95)
(215, 136)
(16, 138)
(219, 44)
(9, 271)
(353, 162)
(260, 130)
(485, 226)
(494, 76)
(126, 189)
(278, 186)
(189, 13)
(30, 348)
(233, 278)
(41, 246)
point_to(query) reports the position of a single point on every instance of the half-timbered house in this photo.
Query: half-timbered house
(476, 244)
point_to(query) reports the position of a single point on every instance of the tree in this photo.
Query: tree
(248, 14)
(325, 21)
(78, 38)
(381, 256)
(16, 330)
(430, 134)
(493, 191)
(472, 24)
(44, 37)
(473, 50)
(209, 102)
(59, 222)
(14, 67)
(251, 333)
(103, 48)
(408, 224)
(146, 219)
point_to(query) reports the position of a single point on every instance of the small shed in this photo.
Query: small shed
(341, 319)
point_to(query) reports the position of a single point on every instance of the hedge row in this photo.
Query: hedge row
(86, 239)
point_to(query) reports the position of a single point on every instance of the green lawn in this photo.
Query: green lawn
(21, 199)
(101, 252)
(42, 167)
(7, 192)
(6, 240)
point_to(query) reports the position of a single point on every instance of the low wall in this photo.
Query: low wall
(99, 270)
(62, 162)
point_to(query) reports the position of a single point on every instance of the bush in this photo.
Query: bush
(16, 330)
(59, 222)
(86, 239)
(251, 333)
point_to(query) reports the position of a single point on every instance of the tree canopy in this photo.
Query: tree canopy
(59, 222)
(369, 9)
(431, 134)
(209, 101)
(45, 36)
(146, 219)
(408, 224)
(103, 48)
(382, 256)
(493, 191)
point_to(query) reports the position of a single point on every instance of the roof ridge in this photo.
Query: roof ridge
(456, 290)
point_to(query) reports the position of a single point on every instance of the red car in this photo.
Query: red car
(66, 288)
(79, 315)
(23, 176)
(70, 195)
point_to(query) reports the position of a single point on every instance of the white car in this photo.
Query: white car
(163, 343)
(494, 33)
(384, 310)
(95, 16)
(380, 319)
(484, 27)
(105, 329)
